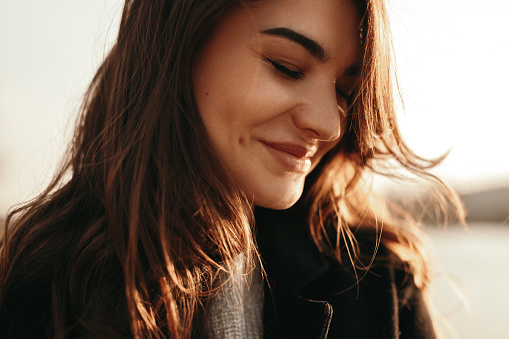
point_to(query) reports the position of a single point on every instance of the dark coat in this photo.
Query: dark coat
(310, 295)
(313, 296)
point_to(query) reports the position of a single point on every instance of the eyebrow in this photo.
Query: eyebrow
(313, 47)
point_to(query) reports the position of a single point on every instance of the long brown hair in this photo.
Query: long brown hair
(142, 216)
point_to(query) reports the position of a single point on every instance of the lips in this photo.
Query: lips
(297, 151)
(293, 157)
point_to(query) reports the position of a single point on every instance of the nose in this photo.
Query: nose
(318, 113)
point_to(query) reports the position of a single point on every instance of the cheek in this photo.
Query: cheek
(323, 150)
(240, 103)
(221, 94)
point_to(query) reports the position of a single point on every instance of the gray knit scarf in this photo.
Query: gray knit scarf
(237, 310)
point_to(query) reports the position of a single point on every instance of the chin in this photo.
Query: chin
(278, 201)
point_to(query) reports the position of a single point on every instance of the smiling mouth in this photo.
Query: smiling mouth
(292, 157)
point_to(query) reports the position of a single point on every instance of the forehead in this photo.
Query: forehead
(305, 9)
(334, 24)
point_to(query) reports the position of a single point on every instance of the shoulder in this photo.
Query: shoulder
(377, 299)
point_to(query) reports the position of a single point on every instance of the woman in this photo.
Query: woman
(218, 140)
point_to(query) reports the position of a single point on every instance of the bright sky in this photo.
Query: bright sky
(453, 63)
(452, 57)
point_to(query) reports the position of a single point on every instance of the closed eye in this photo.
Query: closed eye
(296, 75)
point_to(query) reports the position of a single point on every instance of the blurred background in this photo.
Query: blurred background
(452, 58)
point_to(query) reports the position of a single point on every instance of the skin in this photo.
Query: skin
(271, 106)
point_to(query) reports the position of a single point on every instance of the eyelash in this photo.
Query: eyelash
(296, 75)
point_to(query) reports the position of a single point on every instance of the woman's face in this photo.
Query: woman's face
(271, 87)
